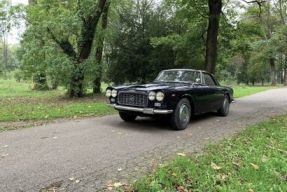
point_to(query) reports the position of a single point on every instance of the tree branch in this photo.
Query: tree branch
(80, 11)
(259, 3)
(88, 32)
(65, 45)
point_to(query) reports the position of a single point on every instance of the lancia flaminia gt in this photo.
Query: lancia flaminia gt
(176, 94)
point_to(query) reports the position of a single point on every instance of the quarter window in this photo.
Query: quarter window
(209, 80)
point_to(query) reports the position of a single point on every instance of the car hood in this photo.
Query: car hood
(153, 86)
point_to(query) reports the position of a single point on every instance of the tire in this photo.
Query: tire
(224, 109)
(127, 116)
(181, 116)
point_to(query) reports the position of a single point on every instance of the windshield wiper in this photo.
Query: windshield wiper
(185, 82)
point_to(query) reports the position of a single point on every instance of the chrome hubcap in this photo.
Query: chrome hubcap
(226, 106)
(184, 113)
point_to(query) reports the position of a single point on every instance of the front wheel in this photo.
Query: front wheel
(127, 116)
(181, 116)
(224, 109)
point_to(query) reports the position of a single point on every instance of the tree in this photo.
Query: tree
(99, 50)
(89, 23)
(215, 7)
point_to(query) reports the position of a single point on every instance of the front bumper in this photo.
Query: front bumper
(149, 111)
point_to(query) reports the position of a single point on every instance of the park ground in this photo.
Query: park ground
(254, 160)
(78, 156)
(20, 106)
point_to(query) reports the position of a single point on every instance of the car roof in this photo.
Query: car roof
(186, 70)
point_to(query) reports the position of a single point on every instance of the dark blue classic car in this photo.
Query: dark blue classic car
(176, 94)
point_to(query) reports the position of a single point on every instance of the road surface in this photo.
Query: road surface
(88, 154)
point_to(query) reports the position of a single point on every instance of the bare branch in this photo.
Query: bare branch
(259, 3)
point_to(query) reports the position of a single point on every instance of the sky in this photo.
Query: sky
(15, 34)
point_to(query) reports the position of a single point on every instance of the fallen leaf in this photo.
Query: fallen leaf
(181, 154)
(71, 178)
(254, 166)
(4, 155)
(174, 174)
(117, 184)
(237, 164)
(110, 188)
(222, 177)
(215, 167)
(77, 181)
(264, 158)
(181, 189)
(120, 169)
(250, 190)
(5, 146)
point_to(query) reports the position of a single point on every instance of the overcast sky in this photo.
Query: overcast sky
(15, 34)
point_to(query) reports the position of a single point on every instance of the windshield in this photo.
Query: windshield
(178, 76)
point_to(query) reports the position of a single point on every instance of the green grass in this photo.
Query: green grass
(18, 102)
(241, 91)
(11, 88)
(254, 160)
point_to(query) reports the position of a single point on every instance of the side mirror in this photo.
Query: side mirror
(198, 80)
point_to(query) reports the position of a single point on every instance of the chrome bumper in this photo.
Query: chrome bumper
(149, 111)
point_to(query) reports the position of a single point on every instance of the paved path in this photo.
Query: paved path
(96, 150)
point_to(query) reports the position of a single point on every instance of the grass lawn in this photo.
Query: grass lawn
(18, 102)
(254, 160)
(241, 91)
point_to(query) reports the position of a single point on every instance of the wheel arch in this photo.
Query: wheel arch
(191, 101)
(228, 95)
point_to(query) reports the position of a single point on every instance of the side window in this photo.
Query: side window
(209, 80)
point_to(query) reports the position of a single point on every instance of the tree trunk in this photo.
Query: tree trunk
(285, 71)
(99, 51)
(40, 82)
(285, 77)
(54, 82)
(5, 54)
(215, 7)
(273, 71)
(76, 88)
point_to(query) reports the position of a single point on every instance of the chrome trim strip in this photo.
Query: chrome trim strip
(150, 111)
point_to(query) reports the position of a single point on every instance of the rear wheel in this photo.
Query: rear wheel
(127, 116)
(181, 116)
(224, 109)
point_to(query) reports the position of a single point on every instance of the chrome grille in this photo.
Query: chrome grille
(133, 99)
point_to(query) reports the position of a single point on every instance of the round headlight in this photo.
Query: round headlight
(159, 96)
(151, 96)
(108, 93)
(114, 93)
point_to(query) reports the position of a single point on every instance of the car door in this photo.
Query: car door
(214, 93)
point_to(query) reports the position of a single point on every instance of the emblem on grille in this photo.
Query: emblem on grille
(132, 98)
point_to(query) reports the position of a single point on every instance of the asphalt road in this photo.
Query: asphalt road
(86, 155)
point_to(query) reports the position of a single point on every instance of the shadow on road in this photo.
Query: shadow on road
(157, 124)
